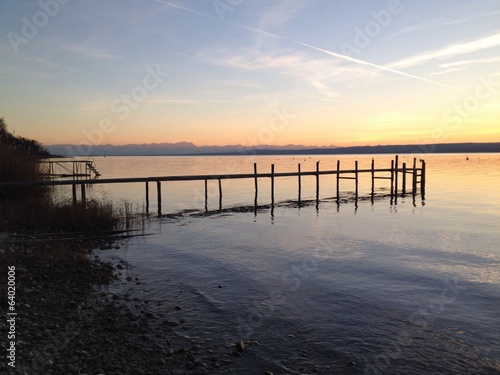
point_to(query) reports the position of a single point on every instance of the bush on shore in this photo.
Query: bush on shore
(34, 209)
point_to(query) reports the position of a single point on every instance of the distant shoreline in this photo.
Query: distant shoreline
(443, 148)
(174, 150)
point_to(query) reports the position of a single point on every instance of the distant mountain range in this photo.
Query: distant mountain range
(159, 149)
(188, 148)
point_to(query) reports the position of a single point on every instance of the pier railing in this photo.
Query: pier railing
(392, 173)
(70, 168)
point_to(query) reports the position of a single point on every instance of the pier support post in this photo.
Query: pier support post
(84, 196)
(73, 188)
(396, 176)
(392, 179)
(220, 195)
(338, 181)
(206, 195)
(414, 189)
(317, 182)
(158, 188)
(403, 187)
(373, 179)
(422, 180)
(147, 197)
(272, 185)
(356, 179)
(256, 183)
(300, 185)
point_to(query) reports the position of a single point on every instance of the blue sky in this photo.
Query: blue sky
(217, 72)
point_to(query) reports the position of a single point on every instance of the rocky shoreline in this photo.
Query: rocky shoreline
(69, 323)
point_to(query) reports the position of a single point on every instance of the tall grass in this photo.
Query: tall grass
(36, 208)
(16, 166)
(39, 210)
(43, 214)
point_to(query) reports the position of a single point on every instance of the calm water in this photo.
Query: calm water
(406, 288)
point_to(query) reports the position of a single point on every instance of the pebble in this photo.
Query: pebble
(181, 351)
(71, 369)
(92, 336)
(240, 345)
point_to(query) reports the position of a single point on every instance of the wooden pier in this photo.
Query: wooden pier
(70, 168)
(392, 173)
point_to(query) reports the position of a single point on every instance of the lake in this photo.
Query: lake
(383, 287)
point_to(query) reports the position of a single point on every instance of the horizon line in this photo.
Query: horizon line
(268, 145)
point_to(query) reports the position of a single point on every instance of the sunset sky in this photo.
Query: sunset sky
(217, 72)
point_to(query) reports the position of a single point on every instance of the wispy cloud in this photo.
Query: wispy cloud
(451, 70)
(440, 22)
(376, 66)
(186, 101)
(469, 19)
(186, 9)
(347, 58)
(97, 105)
(417, 28)
(244, 84)
(388, 118)
(468, 62)
(90, 52)
(448, 52)
(32, 68)
(84, 50)
(281, 12)
(48, 63)
(330, 53)
(318, 73)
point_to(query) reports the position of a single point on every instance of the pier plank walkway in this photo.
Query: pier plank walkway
(392, 173)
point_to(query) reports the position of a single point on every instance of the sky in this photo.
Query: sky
(251, 72)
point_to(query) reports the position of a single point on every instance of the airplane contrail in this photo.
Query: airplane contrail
(330, 53)
(347, 58)
(184, 8)
(381, 67)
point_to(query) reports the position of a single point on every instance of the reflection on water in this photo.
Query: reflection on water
(392, 289)
(448, 176)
